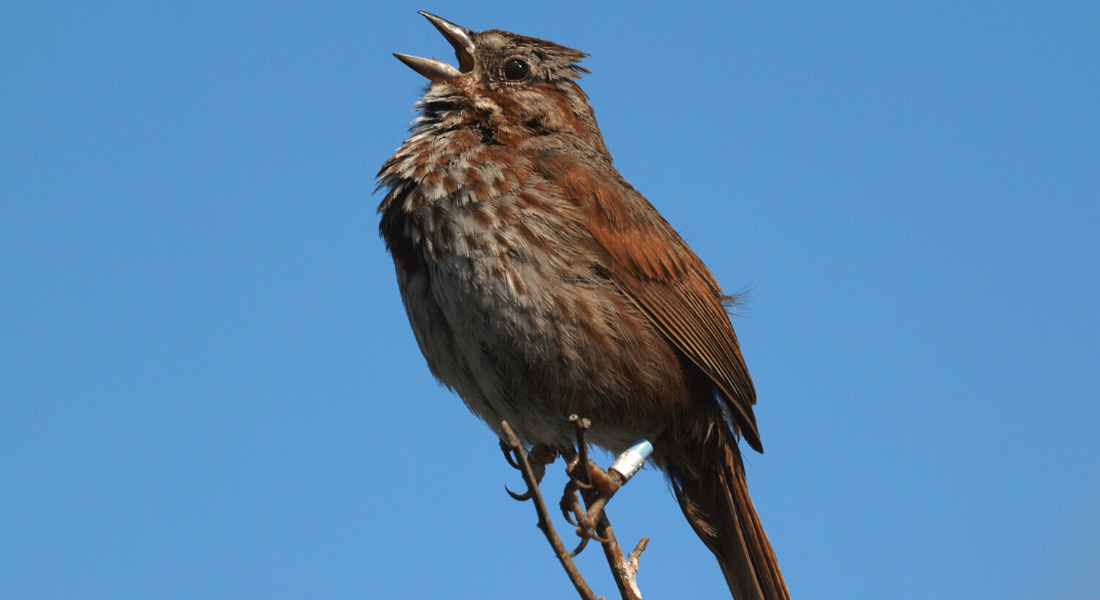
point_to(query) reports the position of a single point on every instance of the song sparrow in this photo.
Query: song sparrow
(540, 284)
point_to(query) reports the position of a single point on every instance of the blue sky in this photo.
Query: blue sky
(208, 387)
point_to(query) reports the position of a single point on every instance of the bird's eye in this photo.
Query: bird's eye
(516, 69)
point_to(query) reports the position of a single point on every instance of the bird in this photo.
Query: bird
(540, 284)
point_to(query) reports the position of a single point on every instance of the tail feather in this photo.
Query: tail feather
(714, 496)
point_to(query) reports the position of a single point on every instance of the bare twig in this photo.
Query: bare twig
(544, 516)
(596, 495)
(596, 486)
(625, 571)
(636, 554)
(631, 573)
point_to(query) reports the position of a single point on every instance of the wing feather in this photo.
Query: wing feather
(656, 269)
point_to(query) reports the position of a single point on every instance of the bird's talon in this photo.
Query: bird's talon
(580, 547)
(507, 449)
(520, 497)
(568, 511)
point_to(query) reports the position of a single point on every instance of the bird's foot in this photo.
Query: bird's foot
(597, 486)
(537, 458)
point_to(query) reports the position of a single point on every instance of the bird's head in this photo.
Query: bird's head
(510, 87)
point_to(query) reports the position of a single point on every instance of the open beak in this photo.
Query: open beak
(459, 37)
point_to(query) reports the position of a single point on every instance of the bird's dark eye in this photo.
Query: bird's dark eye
(516, 69)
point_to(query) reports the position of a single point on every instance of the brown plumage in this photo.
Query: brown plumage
(540, 284)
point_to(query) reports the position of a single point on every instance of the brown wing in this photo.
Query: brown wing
(654, 267)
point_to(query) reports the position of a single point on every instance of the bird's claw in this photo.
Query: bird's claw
(507, 450)
(537, 458)
(597, 491)
(580, 546)
(570, 502)
(520, 497)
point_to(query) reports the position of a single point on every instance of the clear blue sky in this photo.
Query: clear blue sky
(208, 387)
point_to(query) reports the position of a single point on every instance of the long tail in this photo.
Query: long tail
(710, 485)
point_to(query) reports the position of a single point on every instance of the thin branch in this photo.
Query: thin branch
(625, 571)
(596, 486)
(596, 496)
(544, 516)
